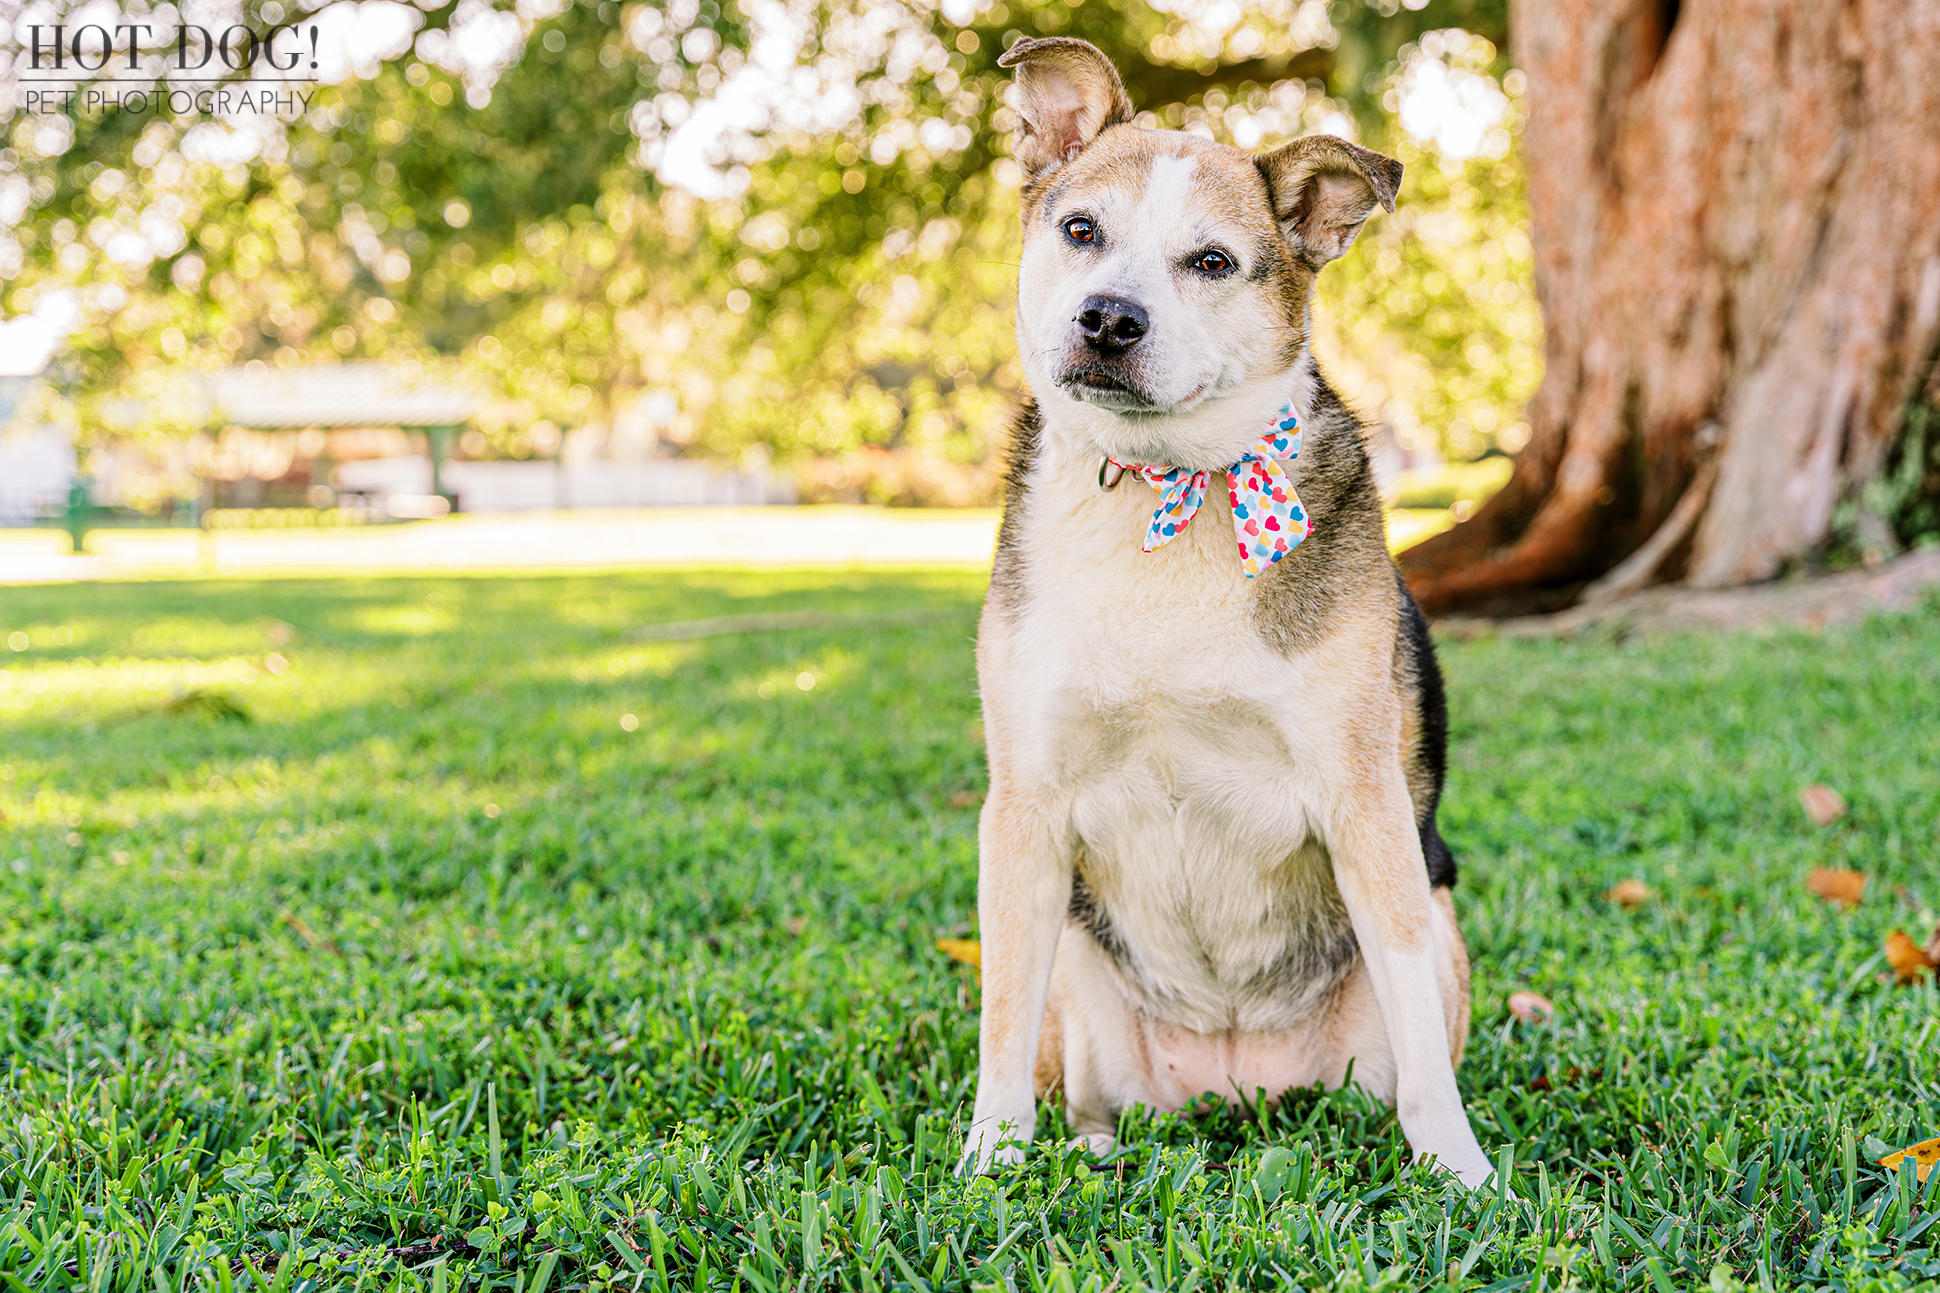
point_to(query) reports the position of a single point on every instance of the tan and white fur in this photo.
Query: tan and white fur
(1209, 860)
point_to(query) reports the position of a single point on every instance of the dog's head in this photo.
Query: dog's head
(1162, 302)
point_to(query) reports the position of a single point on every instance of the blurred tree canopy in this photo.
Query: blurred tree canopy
(778, 228)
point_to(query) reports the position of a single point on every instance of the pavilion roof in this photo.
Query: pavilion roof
(361, 394)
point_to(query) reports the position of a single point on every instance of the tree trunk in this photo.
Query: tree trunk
(1735, 206)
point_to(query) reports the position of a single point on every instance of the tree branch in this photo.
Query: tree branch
(1154, 85)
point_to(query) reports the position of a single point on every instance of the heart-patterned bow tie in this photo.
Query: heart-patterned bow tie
(1268, 520)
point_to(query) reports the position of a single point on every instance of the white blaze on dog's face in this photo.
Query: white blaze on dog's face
(1162, 299)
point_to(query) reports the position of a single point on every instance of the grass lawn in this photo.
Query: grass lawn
(438, 971)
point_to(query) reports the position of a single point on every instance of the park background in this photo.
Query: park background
(779, 245)
(386, 902)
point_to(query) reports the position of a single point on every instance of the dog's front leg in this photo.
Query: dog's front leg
(1023, 893)
(1383, 881)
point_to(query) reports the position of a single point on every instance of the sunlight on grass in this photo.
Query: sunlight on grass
(428, 944)
(415, 621)
(1409, 526)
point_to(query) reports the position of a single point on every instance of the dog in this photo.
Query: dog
(1208, 856)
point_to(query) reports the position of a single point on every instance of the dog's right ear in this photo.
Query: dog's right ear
(1067, 92)
(1324, 189)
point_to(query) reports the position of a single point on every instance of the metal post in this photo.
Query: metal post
(441, 438)
(75, 522)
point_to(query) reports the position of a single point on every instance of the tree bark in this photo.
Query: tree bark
(1735, 207)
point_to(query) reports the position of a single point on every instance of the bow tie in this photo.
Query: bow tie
(1268, 520)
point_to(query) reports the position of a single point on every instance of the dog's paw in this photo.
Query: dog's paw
(1096, 1143)
(1443, 1133)
(991, 1145)
(1467, 1163)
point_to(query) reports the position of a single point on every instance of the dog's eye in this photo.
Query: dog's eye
(1213, 262)
(1078, 229)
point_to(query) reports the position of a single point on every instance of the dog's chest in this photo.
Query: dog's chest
(1190, 756)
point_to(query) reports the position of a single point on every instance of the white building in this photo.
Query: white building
(36, 462)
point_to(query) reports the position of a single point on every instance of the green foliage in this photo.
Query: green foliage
(1469, 482)
(1431, 323)
(435, 973)
(843, 284)
(1900, 507)
(1908, 495)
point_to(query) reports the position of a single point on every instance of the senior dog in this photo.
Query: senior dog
(1216, 730)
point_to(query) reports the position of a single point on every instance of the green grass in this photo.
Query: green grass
(425, 972)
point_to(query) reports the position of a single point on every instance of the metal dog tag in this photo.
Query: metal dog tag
(1109, 473)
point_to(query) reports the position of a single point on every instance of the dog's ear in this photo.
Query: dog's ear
(1323, 190)
(1067, 91)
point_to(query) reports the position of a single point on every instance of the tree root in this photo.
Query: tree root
(1633, 574)
(1809, 603)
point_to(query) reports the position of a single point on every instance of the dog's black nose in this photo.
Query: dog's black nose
(1112, 324)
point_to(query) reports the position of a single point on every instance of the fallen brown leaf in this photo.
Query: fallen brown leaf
(1531, 1007)
(967, 950)
(1908, 959)
(1825, 804)
(307, 934)
(1926, 1154)
(1629, 893)
(966, 798)
(1837, 884)
(1567, 1078)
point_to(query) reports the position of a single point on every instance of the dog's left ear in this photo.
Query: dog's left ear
(1324, 189)
(1067, 92)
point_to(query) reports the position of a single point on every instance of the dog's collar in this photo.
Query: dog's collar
(1268, 520)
